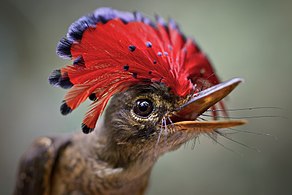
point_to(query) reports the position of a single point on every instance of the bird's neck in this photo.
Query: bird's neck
(121, 156)
(116, 164)
(91, 165)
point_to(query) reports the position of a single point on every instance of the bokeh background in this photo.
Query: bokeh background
(247, 38)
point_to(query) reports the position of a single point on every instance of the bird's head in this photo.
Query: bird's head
(151, 120)
(149, 81)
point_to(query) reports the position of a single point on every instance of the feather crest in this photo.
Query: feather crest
(113, 50)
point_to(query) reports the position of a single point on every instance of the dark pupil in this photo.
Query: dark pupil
(143, 107)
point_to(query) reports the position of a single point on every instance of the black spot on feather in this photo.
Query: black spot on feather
(126, 67)
(148, 44)
(86, 129)
(65, 109)
(132, 48)
(92, 97)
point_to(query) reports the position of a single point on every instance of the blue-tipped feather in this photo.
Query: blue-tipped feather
(103, 15)
(76, 29)
(64, 48)
(65, 82)
(56, 79)
(160, 20)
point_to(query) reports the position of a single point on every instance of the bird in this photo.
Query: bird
(148, 85)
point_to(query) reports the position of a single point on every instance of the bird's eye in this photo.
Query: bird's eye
(143, 107)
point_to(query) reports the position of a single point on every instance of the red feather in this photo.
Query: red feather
(123, 50)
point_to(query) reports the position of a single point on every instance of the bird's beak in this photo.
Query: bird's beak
(185, 116)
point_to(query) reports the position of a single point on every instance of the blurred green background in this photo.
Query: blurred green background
(247, 38)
